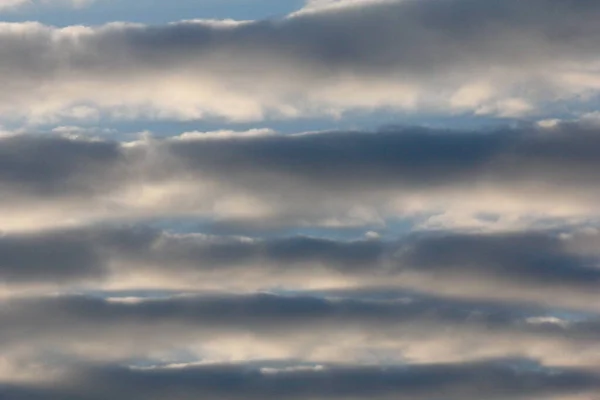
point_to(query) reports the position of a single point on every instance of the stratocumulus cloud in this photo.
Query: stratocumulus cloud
(408, 327)
(330, 199)
(504, 378)
(541, 267)
(495, 57)
(327, 178)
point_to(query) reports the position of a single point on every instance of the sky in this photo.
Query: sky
(303, 200)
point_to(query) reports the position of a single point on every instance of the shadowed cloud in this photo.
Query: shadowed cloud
(328, 178)
(501, 379)
(453, 55)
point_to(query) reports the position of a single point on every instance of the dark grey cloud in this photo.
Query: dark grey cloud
(393, 158)
(253, 313)
(50, 166)
(402, 158)
(415, 328)
(214, 253)
(464, 297)
(345, 161)
(277, 313)
(322, 178)
(96, 254)
(460, 54)
(536, 264)
(532, 266)
(499, 379)
(303, 179)
(61, 258)
(529, 257)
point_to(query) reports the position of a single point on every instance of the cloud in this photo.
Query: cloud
(507, 178)
(501, 378)
(15, 4)
(217, 327)
(61, 258)
(321, 5)
(47, 166)
(499, 57)
(528, 266)
(123, 266)
(106, 255)
(11, 3)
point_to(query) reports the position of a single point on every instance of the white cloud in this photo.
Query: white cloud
(11, 3)
(332, 5)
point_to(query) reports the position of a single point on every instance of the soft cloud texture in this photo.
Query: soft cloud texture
(446, 178)
(410, 328)
(501, 378)
(501, 57)
(535, 266)
(405, 262)
(14, 4)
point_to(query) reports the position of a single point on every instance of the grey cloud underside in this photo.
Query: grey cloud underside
(433, 47)
(58, 256)
(47, 166)
(49, 258)
(534, 266)
(497, 379)
(303, 176)
(488, 306)
(410, 158)
(406, 158)
(306, 178)
(406, 35)
(531, 258)
(73, 322)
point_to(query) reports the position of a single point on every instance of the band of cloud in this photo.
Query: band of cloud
(530, 266)
(452, 55)
(500, 378)
(322, 178)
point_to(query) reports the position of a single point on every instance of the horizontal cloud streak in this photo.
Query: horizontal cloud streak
(501, 378)
(240, 327)
(406, 262)
(335, 178)
(501, 57)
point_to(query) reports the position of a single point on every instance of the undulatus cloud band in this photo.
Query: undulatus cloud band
(455, 258)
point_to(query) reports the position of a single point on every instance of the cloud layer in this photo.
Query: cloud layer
(498, 57)
(11, 5)
(447, 178)
(500, 378)
(537, 267)
(406, 328)
(403, 262)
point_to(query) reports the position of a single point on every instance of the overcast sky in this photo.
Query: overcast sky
(302, 199)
